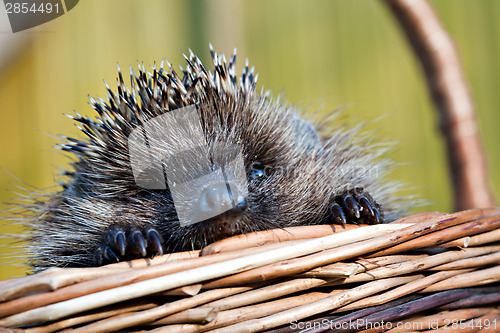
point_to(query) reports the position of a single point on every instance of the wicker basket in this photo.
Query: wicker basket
(429, 271)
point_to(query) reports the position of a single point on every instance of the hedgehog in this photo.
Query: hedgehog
(285, 171)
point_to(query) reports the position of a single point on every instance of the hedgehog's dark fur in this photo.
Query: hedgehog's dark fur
(297, 176)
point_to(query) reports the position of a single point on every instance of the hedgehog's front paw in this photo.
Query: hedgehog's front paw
(125, 243)
(355, 206)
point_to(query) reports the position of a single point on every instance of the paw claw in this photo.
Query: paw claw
(154, 242)
(356, 207)
(376, 218)
(351, 207)
(115, 239)
(366, 208)
(337, 214)
(120, 243)
(126, 243)
(105, 254)
(109, 255)
(136, 243)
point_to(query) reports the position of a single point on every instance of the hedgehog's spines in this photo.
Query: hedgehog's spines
(212, 53)
(232, 69)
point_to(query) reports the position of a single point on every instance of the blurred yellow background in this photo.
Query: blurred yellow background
(317, 53)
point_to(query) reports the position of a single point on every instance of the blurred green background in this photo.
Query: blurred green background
(318, 53)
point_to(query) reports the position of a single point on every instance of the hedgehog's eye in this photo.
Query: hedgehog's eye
(257, 173)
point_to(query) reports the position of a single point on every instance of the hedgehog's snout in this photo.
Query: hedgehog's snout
(221, 198)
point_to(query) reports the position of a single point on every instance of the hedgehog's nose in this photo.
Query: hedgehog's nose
(221, 198)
